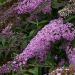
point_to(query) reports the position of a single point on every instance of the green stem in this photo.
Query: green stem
(70, 18)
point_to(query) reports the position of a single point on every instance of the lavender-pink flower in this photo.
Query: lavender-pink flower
(70, 51)
(27, 6)
(40, 45)
(7, 29)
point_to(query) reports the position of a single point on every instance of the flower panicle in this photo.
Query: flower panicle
(40, 45)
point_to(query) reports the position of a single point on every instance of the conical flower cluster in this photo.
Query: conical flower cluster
(40, 45)
(70, 52)
(27, 6)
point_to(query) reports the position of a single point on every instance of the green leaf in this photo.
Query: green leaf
(56, 4)
(3, 42)
(69, 18)
(44, 21)
(31, 33)
(34, 71)
(1, 1)
(33, 22)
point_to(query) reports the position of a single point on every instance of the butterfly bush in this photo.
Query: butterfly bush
(40, 45)
(7, 29)
(27, 6)
(70, 51)
(71, 54)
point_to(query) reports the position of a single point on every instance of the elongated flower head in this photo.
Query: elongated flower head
(40, 45)
(27, 6)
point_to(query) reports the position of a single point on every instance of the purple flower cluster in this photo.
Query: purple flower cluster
(7, 29)
(27, 6)
(40, 45)
(70, 51)
(71, 54)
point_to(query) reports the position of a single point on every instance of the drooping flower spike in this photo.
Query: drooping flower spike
(7, 29)
(27, 6)
(40, 45)
(70, 52)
